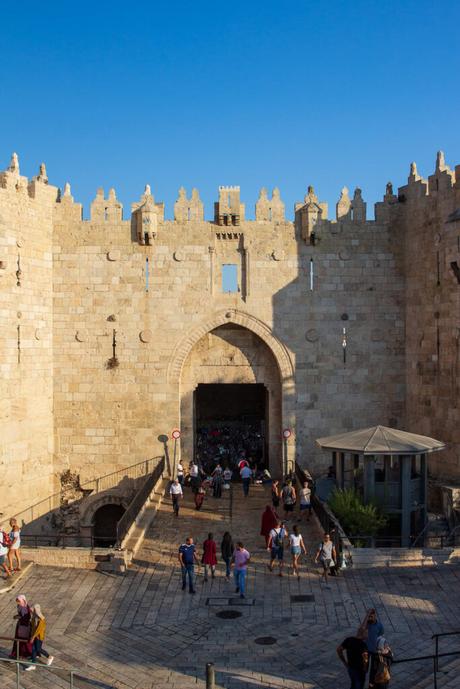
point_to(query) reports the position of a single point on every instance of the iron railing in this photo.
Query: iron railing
(94, 486)
(138, 501)
(433, 656)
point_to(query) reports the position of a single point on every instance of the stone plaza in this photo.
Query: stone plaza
(143, 632)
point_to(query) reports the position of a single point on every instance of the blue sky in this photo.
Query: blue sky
(252, 93)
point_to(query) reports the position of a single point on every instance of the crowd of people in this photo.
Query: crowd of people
(228, 443)
(29, 634)
(10, 548)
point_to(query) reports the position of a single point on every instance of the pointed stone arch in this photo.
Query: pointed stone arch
(235, 317)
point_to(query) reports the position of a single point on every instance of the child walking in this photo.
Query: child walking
(38, 631)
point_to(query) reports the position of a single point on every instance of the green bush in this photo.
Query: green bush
(356, 518)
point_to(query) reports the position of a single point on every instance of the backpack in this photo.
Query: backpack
(278, 541)
(6, 539)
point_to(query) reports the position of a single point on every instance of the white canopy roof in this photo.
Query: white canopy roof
(380, 440)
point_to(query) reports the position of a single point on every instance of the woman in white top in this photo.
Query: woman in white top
(297, 545)
(180, 473)
(305, 501)
(14, 549)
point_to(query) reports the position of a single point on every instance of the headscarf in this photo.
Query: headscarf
(382, 645)
(38, 611)
(22, 601)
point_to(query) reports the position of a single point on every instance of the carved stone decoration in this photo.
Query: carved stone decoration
(278, 255)
(3, 265)
(19, 243)
(312, 335)
(113, 255)
(112, 318)
(145, 335)
(344, 255)
(38, 334)
(81, 335)
(178, 256)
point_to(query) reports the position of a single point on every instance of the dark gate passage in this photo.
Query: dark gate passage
(105, 525)
(231, 422)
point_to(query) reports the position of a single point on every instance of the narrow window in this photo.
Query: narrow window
(270, 214)
(147, 276)
(188, 214)
(311, 274)
(106, 214)
(229, 277)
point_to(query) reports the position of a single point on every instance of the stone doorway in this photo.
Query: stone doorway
(231, 421)
(105, 523)
(227, 366)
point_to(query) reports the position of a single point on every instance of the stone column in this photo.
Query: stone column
(405, 499)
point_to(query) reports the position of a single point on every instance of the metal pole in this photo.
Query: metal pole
(210, 676)
(436, 662)
(18, 686)
(71, 679)
(174, 463)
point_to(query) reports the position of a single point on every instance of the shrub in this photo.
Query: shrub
(356, 518)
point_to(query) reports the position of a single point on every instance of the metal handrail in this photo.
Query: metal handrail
(100, 483)
(136, 504)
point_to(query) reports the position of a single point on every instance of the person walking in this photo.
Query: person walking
(269, 521)
(194, 476)
(226, 549)
(297, 545)
(4, 544)
(275, 493)
(372, 629)
(22, 631)
(383, 660)
(38, 631)
(276, 546)
(187, 559)
(209, 558)
(217, 480)
(181, 473)
(289, 497)
(241, 557)
(305, 501)
(199, 497)
(357, 659)
(326, 554)
(176, 494)
(14, 548)
(246, 475)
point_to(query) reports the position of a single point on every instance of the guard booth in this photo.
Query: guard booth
(388, 467)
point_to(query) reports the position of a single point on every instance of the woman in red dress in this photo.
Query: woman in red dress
(209, 556)
(269, 522)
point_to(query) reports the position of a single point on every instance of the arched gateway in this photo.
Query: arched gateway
(235, 383)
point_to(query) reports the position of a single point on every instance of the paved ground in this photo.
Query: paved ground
(141, 631)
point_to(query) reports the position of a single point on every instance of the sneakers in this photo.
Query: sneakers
(242, 595)
(29, 668)
(192, 591)
(49, 660)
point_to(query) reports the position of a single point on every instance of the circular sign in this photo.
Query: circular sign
(176, 434)
(286, 433)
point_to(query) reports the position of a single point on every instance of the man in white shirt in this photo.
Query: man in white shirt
(176, 494)
(194, 476)
(246, 475)
(3, 552)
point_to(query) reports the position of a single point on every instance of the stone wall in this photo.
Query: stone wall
(26, 338)
(428, 220)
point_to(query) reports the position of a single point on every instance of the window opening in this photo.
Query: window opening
(106, 214)
(270, 214)
(311, 275)
(229, 277)
(147, 276)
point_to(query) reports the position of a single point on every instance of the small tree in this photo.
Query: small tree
(356, 518)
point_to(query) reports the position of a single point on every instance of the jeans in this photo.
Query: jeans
(246, 482)
(227, 561)
(38, 650)
(175, 503)
(240, 580)
(358, 678)
(188, 570)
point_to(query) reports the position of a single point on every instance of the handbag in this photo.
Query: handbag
(383, 673)
(23, 631)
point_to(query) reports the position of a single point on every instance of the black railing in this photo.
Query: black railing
(373, 542)
(433, 656)
(138, 501)
(66, 541)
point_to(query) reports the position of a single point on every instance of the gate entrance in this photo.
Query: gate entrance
(231, 422)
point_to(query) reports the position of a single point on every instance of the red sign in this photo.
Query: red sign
(287, 433)
(176, 434)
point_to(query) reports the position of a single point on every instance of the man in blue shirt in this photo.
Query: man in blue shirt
(374, 630)
(187, 559)
(246, 474)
